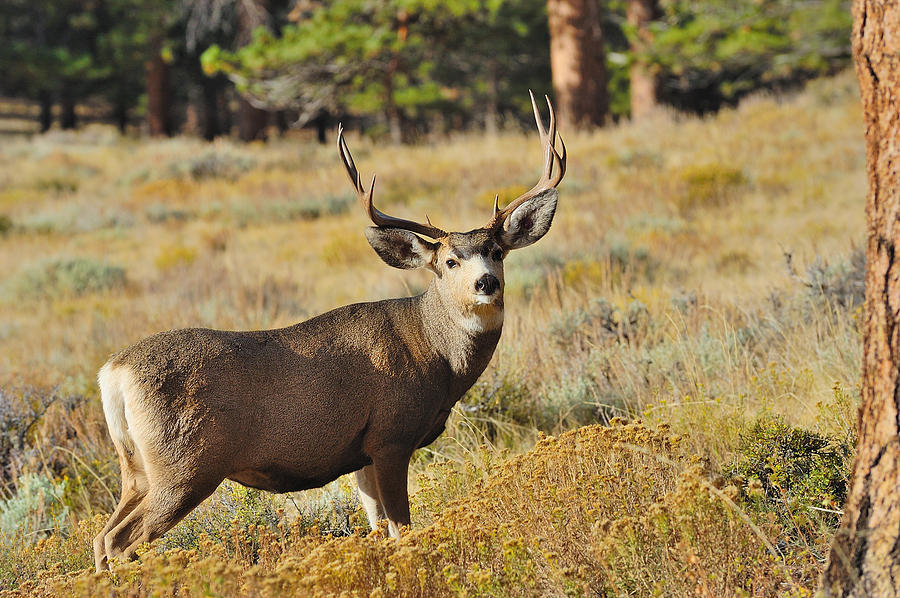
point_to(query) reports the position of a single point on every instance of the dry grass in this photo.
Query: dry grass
(661, 292)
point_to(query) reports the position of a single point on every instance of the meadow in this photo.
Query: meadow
(671, 410)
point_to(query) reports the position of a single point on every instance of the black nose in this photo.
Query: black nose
(487, 284)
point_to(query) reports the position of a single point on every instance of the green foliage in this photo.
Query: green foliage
(212, 164)
(67, 277)
(74, 49)
(246, 213)
(796, 469)
(6, 225)
(416, 57)
(35, 508)
(714, 52)
(708, 185)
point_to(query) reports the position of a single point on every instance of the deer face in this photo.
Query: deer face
(468, 266)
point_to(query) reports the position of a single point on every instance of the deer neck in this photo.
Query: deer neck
(466, 337)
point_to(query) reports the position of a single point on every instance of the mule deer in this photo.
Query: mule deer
(355, 389)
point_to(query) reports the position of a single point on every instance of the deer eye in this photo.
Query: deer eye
(452, 264)
(497, 255)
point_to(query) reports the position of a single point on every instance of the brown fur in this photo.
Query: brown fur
(288, 409)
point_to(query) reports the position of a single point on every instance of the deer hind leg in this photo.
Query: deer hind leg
(134, 489)
(391, 481)
(158, 512)
(368, 495)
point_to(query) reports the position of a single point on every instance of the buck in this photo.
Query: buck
(357, 389)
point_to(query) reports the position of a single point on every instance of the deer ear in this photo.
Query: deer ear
(529, 222)
(401, 248)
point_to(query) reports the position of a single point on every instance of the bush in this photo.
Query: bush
(174, 256)
(842, 284)
(708, 185)
(798, 474)
(67, 277)
(598, 511)
(35, 509)
(213, 164)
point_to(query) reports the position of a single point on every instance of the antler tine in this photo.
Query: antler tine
(378, 217)
(551, 157)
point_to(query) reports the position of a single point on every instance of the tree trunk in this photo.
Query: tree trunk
(321, 124)
(210, 93)
(865, 554)
(120, 111)
(252, 121)
(159, 93)
(223, 105)
(578, 62)
(67, 117)
(640, 14)
(46, 115)
(391, 111)
(492, 106)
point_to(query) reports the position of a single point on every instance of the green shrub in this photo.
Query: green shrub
(67, 277)
(6, 225)
(35, 508)
(213, 164)
(499, 397)
(247, 213)
(708, 185)
(793, 470)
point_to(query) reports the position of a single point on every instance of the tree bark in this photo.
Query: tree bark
(67, 117)
(252, 121)
(210, 94)
(46, 116)
(865, 554)
(640, 13)
(578, 62)
(159, 93)
(120, 115)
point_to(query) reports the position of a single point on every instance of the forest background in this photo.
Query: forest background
(407, 68)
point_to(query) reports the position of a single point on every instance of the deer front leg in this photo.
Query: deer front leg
(390, 479)
(368, 495)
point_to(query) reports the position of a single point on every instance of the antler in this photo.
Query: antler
(548, 179)
(378, 217)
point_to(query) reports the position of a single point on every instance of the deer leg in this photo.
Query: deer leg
(368, 495)
(134, 488)
(156, 514)
(391, 479)
(133, 491)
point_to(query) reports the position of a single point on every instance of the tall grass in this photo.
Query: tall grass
(663, 292)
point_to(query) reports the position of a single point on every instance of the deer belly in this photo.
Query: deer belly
(278, 478)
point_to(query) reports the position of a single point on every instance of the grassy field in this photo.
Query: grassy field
(670, 412)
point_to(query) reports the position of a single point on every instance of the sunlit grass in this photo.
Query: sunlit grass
(662, 292)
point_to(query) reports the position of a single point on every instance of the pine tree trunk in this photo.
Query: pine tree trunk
(252, 121)
(391, 111)
(643, 81)
(46, 116)
(67, 117)
(578, 62)
(159, 93)
(865, 554)
(210, 93)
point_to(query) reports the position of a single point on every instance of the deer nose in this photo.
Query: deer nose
(487, 284)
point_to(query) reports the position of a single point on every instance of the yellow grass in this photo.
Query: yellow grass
(661, 292)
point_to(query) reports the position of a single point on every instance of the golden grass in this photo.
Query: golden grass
(618, 510)
(661, 292)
